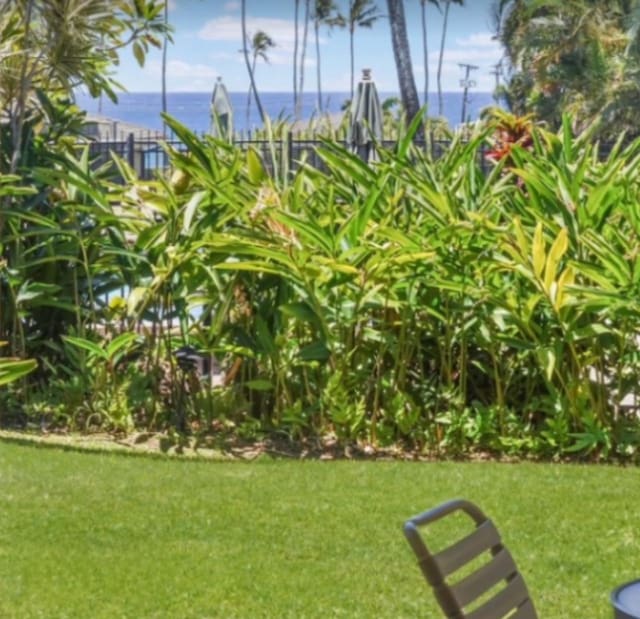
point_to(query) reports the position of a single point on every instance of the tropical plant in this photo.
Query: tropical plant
(89, 34)
(578, 57)
(12, 369)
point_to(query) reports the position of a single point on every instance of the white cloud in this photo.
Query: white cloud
(229, 29)
(178, 69)
(478, 39)
(231, 7)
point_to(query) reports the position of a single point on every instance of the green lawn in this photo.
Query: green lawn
(98, 535)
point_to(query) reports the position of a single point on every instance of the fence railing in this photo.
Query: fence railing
(147, 154)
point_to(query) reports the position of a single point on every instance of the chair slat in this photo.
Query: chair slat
(526, 611)
(455, 556)
(500, 567)
(505, 601)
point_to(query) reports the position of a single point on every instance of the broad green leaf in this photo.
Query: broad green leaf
(33, 290)
(521, 237)
(308, 230)
(137, 299)
(264, 337)
(316, 351)
(538, 251)
(119, 344)
(567, 278)
(557, 250)
(301, 311)
(86, 345)
(190, 209)
(547, 359)
(138, 52)
(255, 169)
(14, 369)
(258, 384)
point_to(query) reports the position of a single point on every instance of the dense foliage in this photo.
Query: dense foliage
(455, 303)
(484, 298)
(581, 57)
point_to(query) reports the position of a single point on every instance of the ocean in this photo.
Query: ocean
(192, 108)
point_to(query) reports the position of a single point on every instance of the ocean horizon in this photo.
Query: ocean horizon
(192, 108)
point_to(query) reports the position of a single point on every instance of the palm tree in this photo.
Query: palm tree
(580, 57)
(324, 12)
(447, 6)
(362, 14)
(402, 55)
(305, 36)
(260, 43)
(296, 14)
(425, 47)
(165, 44)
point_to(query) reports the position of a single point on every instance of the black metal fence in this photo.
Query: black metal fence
(147, 155)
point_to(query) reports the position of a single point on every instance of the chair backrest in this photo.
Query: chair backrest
(495, 590)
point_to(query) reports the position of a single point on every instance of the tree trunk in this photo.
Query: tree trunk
(164, 69)
(317, 31)
(16, 118)
(305, 36)
(295, 55)
(351, 52)
(442, 40)
(245, 52)
(402, 55)
(425, 53)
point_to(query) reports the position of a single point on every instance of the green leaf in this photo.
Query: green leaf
(301, 311)
(138, 52)
(259, 384)
(538, 251)
(119, 344)
(558, 249)
(316, 351)
(190, 209)
(14, 369)
(255, 169)
(87, 345)
(137, 299)
(30, 291)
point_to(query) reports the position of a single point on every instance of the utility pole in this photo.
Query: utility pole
(497, 72)
(466, 83)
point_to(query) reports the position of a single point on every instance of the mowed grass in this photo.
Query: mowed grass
(98, 535)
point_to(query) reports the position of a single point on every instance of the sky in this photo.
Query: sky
(207, 43)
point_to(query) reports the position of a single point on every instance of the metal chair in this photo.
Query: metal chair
(495, 590)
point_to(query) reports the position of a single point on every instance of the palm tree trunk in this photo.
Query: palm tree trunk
(317, 32)
(425, 53)
(17, 117)
(442, 40)
(402, 55)
(303, 55)
(245, 52)
(164, 69)
(295, 55)
(248, 112)
(351, 52)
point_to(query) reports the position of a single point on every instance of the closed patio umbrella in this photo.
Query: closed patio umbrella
(365, 125)
(221, 112)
